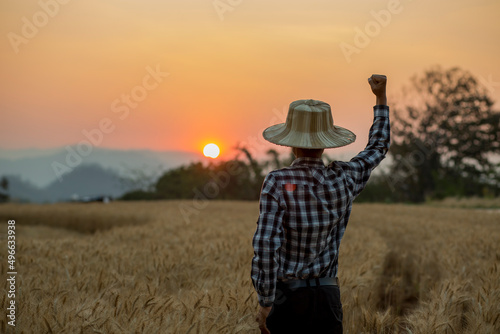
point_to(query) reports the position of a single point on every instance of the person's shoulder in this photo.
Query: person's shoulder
(336, 165)
(277, 174)
(283, 175)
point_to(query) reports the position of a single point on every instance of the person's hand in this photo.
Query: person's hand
(378, 85)
(261, 319)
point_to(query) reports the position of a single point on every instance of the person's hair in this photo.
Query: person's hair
(308, 152)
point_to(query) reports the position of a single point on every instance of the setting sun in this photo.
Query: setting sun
(211, 151)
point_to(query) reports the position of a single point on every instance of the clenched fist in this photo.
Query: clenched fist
(378, 85)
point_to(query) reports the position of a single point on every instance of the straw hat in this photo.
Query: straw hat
(309, 124)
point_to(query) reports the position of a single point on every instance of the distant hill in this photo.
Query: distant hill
(86, 180)
(83, 181)
(33, 177)
(23, 190)
(37, 166)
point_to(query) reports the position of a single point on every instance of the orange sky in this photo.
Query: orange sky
(227, 78)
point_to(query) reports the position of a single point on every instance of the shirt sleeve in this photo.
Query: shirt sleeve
(361, 166)
(266, 242)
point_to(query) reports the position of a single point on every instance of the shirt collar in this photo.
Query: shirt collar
(306, 161)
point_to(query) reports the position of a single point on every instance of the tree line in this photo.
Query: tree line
(445, 141)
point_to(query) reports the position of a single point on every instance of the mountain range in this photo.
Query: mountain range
(61, 174)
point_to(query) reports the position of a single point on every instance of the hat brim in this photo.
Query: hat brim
(336, 136)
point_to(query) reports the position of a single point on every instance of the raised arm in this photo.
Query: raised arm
(360, 167)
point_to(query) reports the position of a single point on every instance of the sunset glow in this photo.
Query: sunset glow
(167, 75)
(211, 151)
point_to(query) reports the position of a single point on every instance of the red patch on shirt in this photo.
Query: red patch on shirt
(290, 187)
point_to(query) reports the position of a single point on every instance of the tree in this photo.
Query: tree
(141, 179)
(276, 163)
(233, 179)
(181, 182)
(444, 138)
(4, 184)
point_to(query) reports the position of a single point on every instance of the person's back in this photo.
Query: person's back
(304, 211)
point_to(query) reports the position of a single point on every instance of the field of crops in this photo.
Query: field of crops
(142, 268)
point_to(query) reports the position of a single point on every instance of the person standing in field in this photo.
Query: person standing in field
(304, 211)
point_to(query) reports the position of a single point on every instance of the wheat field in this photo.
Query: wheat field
(139, 267)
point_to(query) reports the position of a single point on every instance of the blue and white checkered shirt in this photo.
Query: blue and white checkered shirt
(304, 210)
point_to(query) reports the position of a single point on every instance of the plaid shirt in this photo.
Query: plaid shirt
(304, 210)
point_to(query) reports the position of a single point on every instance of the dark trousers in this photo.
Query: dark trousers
(306, 310)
